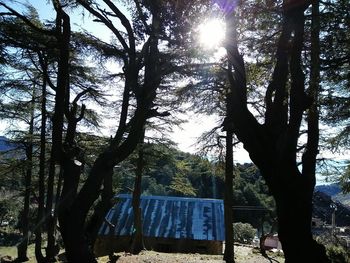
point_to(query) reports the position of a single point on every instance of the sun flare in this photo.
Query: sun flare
(211, 33)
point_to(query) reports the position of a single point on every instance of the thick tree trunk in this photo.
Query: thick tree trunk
(228, 200)
(72, 231)
(294, 212)
(72, 223)
(100, 210)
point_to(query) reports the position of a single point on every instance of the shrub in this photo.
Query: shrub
(243, 232)
(337, 254)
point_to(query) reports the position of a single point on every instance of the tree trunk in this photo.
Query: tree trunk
(72, 223)
(137, 242)
(50, 254)
(72, 231)
(76, 247)
(63, 33)
(23, 245)
(228, 200)
(294, 212)
(41, 181)
(100, 210)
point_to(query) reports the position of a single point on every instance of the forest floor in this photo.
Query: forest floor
(243, 254)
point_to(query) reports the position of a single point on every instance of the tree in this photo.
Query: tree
(21, 108)
(143, 70)
(243, 233)
(345, 180)
(273, 145)
(59, 66)
(180, 184)
(334, 64)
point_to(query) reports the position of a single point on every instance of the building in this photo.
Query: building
(272, 242)
(170, 224)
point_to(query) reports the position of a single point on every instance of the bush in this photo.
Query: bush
(9, 210)
(243, 233)
(337, 254)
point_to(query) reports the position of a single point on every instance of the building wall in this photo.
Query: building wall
(107, 244)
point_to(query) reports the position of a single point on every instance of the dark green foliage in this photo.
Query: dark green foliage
(335, 47)
(31, 216)
(171, 172)
(243, 233)
(345, 180)
(181, 186)
(337, 254)
(251, 191)
(9, 210)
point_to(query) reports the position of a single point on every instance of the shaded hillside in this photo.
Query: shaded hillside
(5, 144)
(335, 192)
(329, 189)
(323, 210)
(10, 150)
(343, 198)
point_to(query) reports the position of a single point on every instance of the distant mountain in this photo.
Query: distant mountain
(329, 189)
(10, 150)
(335, 192)
(323, 211)
(5, 144)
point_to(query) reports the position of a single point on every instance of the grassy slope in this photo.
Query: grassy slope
(12, 252)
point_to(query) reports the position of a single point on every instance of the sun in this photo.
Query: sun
(212, 33)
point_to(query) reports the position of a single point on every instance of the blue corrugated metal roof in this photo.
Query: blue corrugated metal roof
(169, 217)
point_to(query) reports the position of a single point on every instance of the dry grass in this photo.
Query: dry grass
(242, 255)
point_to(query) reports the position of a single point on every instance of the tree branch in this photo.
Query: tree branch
(27, 21)
(106, 22)
(125, 22)
(276, 115)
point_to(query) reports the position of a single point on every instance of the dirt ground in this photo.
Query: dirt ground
(242, 255)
